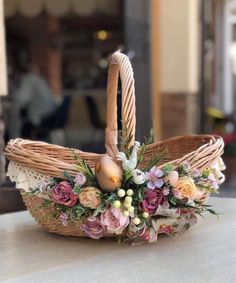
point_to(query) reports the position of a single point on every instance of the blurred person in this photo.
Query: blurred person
(32, 102)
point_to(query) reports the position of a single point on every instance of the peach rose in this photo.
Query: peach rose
(185, 188)
(172, 178)
(90, 197)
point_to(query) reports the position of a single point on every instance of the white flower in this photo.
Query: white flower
(138, 177)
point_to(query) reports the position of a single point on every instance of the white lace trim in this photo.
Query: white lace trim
(24, 177)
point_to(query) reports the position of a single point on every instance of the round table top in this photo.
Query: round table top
(205, 253)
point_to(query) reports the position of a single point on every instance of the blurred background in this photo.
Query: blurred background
(184, 57)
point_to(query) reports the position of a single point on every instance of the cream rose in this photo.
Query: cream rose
(90, 197)
(185, 188)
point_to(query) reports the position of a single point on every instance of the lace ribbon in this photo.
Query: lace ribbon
(24, 177)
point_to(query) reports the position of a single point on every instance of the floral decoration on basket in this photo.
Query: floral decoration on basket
(130, 203)
(133, 192)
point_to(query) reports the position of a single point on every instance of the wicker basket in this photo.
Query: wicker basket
(199, 150)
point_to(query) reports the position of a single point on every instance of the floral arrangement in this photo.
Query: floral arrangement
(133, 203)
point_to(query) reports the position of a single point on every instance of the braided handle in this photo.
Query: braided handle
(119, 65)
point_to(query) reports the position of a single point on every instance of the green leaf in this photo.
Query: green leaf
(127, 175)
(112, 197)
(182, 170)
(173, 200)
(143, 148)
(140, 194)
(206, 173)
(79, 211)
(154, 161)
(84, 168)
(77, 189)
(68, 177)
(100, 208)
(46, 203)
(167, 168)
(212, 211)
(56, 180)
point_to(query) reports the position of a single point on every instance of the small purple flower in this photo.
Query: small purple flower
(64, 218)
(213, 181)
(93, 227)
(153, 177)
(80, 179)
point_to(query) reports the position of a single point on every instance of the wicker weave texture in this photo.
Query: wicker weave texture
(51, 224)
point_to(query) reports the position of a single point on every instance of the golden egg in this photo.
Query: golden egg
(109, 174)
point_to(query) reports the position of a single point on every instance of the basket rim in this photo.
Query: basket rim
(38, 155)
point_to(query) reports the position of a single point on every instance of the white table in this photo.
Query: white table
(206, 253)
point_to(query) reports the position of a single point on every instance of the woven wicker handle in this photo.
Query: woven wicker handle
(119, 65)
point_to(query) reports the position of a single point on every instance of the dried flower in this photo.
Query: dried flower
(64, 218)
(62, 193)
(93, 227)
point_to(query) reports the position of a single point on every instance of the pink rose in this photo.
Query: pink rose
(114, 220)
(62, 193)
(80, 179)
(152, 200)
(93, 227)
